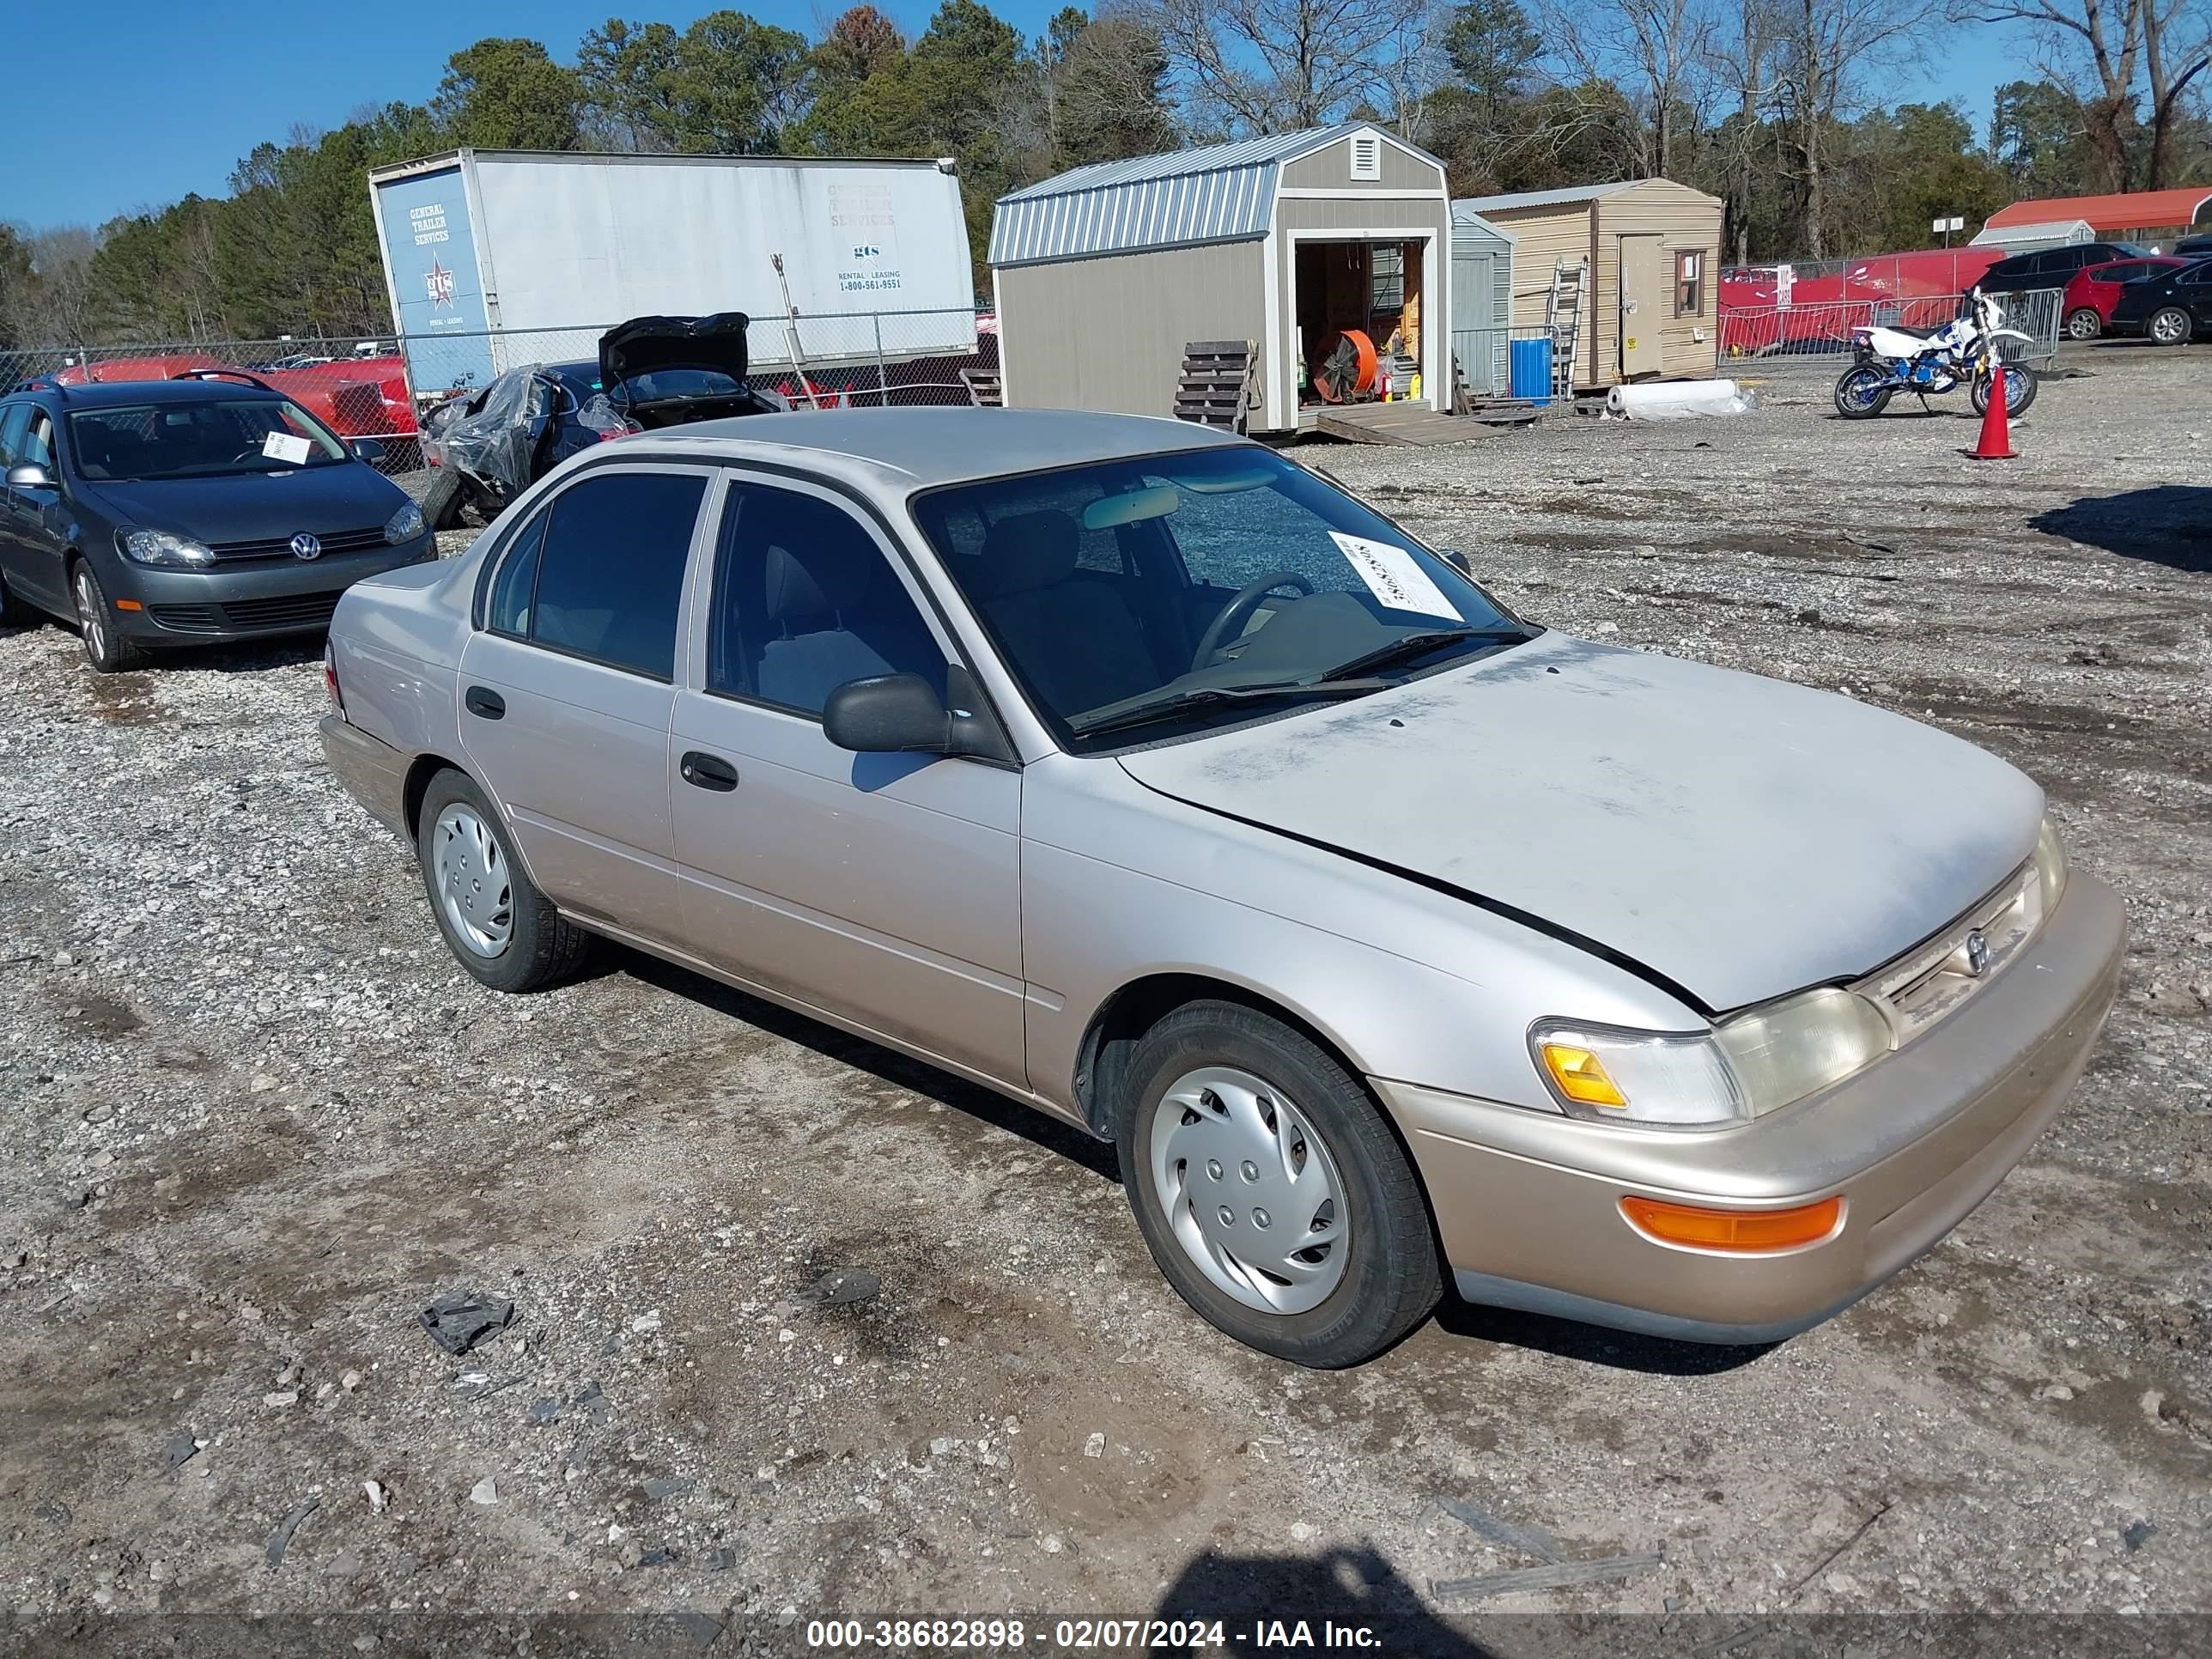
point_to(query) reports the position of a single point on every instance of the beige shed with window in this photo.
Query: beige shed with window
(1649, 299)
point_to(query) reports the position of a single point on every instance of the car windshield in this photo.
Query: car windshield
(220, 437)
(1180, 591)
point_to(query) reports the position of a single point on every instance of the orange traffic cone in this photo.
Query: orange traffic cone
(1996, 443)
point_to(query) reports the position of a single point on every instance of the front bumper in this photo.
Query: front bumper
(1527, 1204)
(249, 600)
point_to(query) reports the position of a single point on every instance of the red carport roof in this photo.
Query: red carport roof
(2142, 209)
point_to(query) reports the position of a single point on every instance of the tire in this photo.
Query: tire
(1860, 395)
(108, 652)
(1267, 1097)
(499, 925)
(2169, 326)
(442, 502)
(2083, 324)
(2021, 385)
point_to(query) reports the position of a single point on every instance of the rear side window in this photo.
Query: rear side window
(602, 578)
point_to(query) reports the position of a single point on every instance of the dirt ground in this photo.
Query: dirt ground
(253, 1118)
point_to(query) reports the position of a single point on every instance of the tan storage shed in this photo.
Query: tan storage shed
(1650, 308)
(1103, 275)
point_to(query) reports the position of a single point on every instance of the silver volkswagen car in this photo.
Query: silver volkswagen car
(1143, 775)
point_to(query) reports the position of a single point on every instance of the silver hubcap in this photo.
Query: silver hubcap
(89, 619)
(1250, 1190)
(2085, 325)
(473, 885)
(2167, 326)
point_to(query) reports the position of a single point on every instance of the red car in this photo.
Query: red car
(2088, 304)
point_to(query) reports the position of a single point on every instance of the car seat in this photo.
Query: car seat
(1072, 633)
(832, 610)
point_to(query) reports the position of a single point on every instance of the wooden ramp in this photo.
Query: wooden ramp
(1397, 423)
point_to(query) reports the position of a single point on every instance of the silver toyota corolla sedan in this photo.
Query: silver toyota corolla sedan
(1143, 775)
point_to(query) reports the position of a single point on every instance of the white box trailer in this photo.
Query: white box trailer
(496, 257)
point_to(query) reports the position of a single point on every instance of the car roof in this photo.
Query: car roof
(920, 448)
(108, 394)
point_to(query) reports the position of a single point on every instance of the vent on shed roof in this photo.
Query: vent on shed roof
(1366, 155)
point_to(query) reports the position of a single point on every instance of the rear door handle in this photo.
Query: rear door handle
(704, 771)
(483, 700)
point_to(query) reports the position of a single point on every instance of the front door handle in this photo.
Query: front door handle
(704, 771)
(484, 701)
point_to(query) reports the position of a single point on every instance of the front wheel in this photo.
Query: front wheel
(1863, 393)
(2169, 326)
(2019, 391)
(1270, 1190)
(104, 648)
(496, 922)
(2084, 325)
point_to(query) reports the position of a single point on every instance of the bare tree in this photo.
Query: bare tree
(1825, 47)
(1741, 64)
(1263, 66)
(1656, 51)
(2093, 48)
(2177, 50)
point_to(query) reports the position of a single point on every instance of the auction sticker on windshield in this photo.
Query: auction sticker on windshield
(1393, 577)
(287, 447)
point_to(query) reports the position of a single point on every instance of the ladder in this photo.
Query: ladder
(1562, 318)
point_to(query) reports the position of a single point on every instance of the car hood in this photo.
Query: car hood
(646, 343)
(1741, 837)
(257, 506)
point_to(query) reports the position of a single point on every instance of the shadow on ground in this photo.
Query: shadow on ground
(2166, 524)
(1348, 1588)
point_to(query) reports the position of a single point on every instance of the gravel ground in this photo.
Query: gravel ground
(255, 1120)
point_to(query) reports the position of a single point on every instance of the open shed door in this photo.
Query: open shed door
(1643, 306)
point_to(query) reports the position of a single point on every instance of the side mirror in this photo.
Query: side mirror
(1457, 561)
(29, 475)
(367, 449)
(902, 715)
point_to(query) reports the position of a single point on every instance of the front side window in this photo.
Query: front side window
(804, 600)
(599, 574)
(1689, 282)
(214, 438)
(39, 440)
(1250, 584)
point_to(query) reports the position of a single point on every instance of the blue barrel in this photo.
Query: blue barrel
(1528, 370)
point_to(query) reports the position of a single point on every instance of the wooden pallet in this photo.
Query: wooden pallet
(1397, 423)
(1502, 411)
(1215, 388)
(985, 389)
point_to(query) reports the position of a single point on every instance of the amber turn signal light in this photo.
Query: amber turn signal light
(1744, 1230)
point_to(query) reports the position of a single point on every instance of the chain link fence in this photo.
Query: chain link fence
(1818, 335)
(382, 388)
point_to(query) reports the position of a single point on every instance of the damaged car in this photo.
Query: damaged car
(487, 447)
(1398, 944)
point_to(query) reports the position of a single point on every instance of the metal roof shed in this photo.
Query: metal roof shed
(1481, 298)
(2027, 238)
(1103, 274)
(1651, 307)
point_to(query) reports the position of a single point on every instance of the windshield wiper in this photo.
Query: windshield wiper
(1406, 647)
(1184, 702)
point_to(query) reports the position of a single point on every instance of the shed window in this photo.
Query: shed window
(1690, 283)
(1366, 156)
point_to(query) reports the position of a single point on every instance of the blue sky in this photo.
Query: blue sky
(137, 102)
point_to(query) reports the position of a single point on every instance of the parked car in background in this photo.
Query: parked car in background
(653, 371)
(2171, 307)
(186, 511)
(2053, 267)
(2094, 291)
(2194, 248)
(1140, 773)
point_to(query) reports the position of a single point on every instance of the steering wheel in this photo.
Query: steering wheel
(1238, 611)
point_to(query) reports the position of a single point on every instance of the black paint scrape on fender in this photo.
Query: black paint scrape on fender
(1511, 912)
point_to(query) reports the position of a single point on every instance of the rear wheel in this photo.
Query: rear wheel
(496, 923)
(104, 648)
(2084, 325)
(1863, 393)
(2019, 391)
(1271, 1191)
(2169, 326)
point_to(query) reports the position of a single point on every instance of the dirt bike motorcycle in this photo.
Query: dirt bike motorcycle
(1927, 361)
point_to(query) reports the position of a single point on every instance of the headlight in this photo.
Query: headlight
(1741, 1069)
(159, 547)
(405, 526)
(2050, 865)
